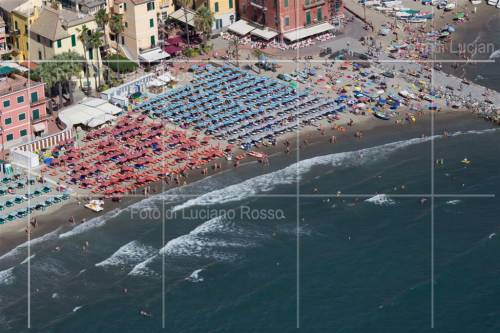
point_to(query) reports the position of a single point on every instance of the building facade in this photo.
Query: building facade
(22, 108)
(4, 47)
(140, 21)
(286, 16)
(22, 19)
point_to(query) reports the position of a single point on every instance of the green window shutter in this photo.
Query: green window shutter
(308, 17)
(73, 40)
(286, 3)
(153, 41)
(91, 53)
(125, 6)
(230, 4)
(36, 114)
(22, 116)
(151, 23)
(10, 137)
(319, 15)
(6, 104)
(23, 132)
(20, 99)
(8, 121)
(59, 44)
(34, 97)
(216, 7)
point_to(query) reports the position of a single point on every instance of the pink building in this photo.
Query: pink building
(23, 113)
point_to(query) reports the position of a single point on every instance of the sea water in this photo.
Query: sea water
(356, 252)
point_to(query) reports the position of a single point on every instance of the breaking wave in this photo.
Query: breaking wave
(129, 254)
(93, 223)
(289, 175)
(380, 200)
(7, 276)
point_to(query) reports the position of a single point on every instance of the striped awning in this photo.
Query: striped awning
(302, 33)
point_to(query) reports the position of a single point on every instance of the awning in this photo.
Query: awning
(153, 55)
(179, 16)
(309, 31)
(39, 127)
(241, 27)
(264, 33)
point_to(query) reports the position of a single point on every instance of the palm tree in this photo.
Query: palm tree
(235, 45)
(102, 19)
(59, 73)
(203, 22)
(95, 42)
(116, 27)
(184, 4)
(84, 37)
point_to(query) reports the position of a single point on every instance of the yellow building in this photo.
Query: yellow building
(224, 12)
(139, 39)
(56, 31)
(21, 19)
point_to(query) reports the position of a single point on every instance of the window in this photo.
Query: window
(150, 6)
(27, 46)
(91, 53)
(286, 3)
(38, 39)
(26, 29)
(287, 21)
(126, 24)
(10, 137)
(20, 99)
(23, 132)
(319, 15)
(59, 44)
(218, 23)
(216, 7)
(8, 121)
(36, 114)
(73, 40)
(34, 97)
(22, 116)
(153, 42)
(40, 55)
(230, 4)
(15, 24)
(6, 104)
(124, 6)
(151, 23)
(308, 17)
(123, 40)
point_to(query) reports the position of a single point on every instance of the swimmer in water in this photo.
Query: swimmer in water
(145, 313)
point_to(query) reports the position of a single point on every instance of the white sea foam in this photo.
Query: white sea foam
(141, 269)
(77, 308)
(492, 235)
(289, 175)
(17, 250)
(195, 276)
(130, 253)
(7, 276)
(28, 258)
(198, 244)
(380, 200)
(92, 223)
(453, 202)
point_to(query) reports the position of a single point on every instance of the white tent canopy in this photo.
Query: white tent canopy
(301, 33)
(264, 33)
(90, 112)
(241, 27)
(153, 55)
(179, 16)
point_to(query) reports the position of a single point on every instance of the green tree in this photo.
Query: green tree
(203, 22)
(95, 42)
(234, 45)
(184, 4)
(102, 20)
(84, 37)
(116, 27)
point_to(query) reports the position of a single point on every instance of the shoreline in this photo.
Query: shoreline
(375, 132)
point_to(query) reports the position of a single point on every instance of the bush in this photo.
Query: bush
(190, 52)
(125, 65)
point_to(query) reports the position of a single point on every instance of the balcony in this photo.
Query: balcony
(313, 3)
(261, 4)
